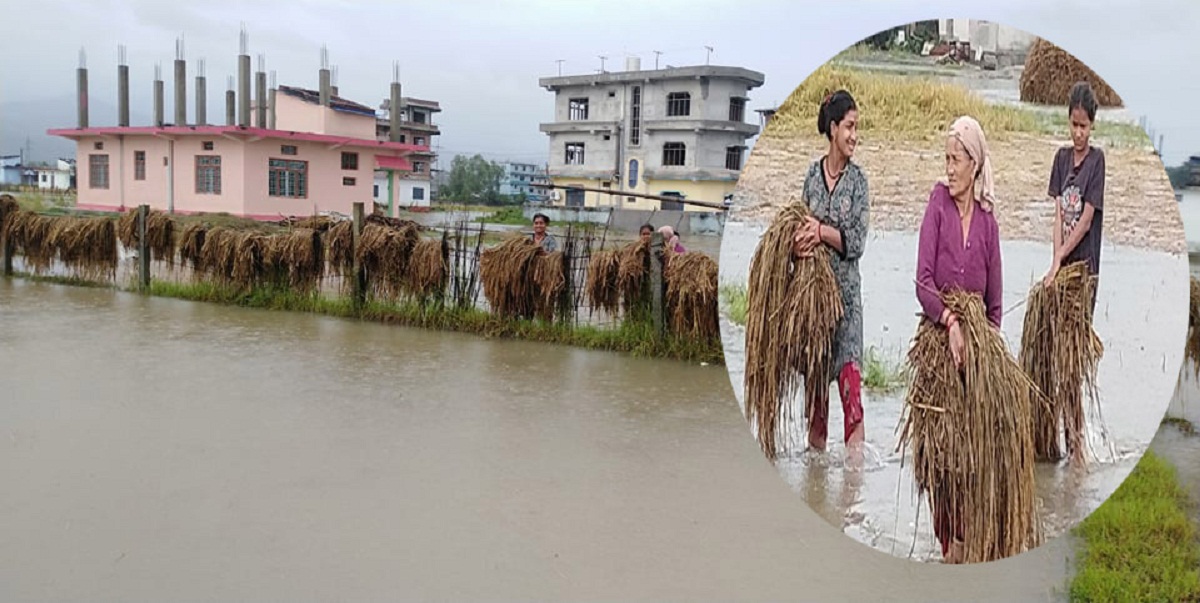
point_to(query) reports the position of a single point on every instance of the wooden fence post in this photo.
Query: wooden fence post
(6, 247)
(656, 282)
(360, 289)
(143, 249)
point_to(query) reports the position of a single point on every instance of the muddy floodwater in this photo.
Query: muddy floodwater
(155, 449)
(1141, 315)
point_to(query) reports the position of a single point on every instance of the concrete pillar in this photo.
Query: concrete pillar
(158, 102)
(123, 96)
(81, 82)
(271, 109)
(325, 89)
(244, 90)
(201, 101)
(230, 108)
(394, 113)
(180, 92)
(261, 95)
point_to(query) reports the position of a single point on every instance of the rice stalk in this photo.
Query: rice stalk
(505, 272)
(793, 309)
(1192, 351)
(692, 306)
(427, 274)
(601, 285)
(970, 434)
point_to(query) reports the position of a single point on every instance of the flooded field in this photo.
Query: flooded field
(1141, 317)
(156, 449)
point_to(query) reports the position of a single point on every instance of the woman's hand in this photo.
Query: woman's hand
(807, 237)
(1049, 279)
(958, 344)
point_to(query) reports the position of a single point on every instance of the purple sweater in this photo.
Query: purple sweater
(944, 263)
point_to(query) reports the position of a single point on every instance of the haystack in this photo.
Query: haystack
(691, 280)
(971, 436)
(1050, 72)
(601, 287)
(1061, 353)
(506, 272)
(1192, 352)
(794, 308)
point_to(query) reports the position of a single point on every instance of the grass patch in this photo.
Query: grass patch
(881, 373)
(631, 337)
(737, 304)
(895, 107)
(1112, 134)
(508, 215)
(1181, 424)
(1140, 545)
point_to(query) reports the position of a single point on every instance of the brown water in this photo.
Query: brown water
(156, 449)
(1142, 329)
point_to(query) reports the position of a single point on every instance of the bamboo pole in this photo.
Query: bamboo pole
(656, 282)
(143, 249)
(360, 289)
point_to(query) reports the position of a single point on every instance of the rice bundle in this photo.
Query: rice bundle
(633, 264)
(218, 254)
(794, 309)
(8, 208)
(29, 234)
(251, 251)
(383, 253)
(549, 279)
(1061, 353)
(601, 286)
(341, 247)
(971, 434)
(296, 259)
(1192, 351)
(427, 271)
(1050, 72)
(160, 234)
(505, 271)
(317, 223)
(191, 243)
(691, 280)
(86, 246)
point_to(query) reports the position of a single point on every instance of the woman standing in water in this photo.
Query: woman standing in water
(1077, 190)
(959, 249)
(835, 190)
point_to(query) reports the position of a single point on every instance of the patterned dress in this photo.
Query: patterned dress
(846, 209)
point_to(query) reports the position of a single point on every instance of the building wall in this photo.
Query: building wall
(233, 175)
(325, 189)
(295, 115)
(340, 123)
(711, 192)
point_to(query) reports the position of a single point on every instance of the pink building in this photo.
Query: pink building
(316, 159)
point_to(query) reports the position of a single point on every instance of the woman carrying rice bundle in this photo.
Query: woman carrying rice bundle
(968, 421)
(1077, 190)
(835, 190)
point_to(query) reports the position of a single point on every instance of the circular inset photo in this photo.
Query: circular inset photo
(954, 285)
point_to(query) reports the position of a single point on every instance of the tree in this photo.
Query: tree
(474, 180)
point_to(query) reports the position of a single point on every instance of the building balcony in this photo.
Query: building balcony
(694, 174)
(700, 125)
(575, 127)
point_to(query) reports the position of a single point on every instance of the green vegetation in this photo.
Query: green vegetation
(474, 180)
(1181, 424)
(736, 303)
(632, 337)
(1140, 545)
(883, 374)
(508, 215)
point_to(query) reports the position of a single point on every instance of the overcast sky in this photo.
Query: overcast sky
(482, 60)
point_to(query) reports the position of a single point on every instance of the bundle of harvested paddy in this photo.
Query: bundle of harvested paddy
(691, 280)
(191, 243)
(296, 259)
(383, 253)
(340, 239)
(427, 271)
(1192, 351)
(794, 306)
(1060, 352)
(160, 234)
(1050, 72)
(86, 246)
(8, 208)
(601, 286)
(506, 273)
(548, 273)
(971, 435)
(29, 234)
(633, 263)
(218, 254)
(317, 223)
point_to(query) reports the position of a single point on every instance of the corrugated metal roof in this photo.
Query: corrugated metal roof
(336, 103)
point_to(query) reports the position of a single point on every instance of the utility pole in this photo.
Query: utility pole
(709, 55)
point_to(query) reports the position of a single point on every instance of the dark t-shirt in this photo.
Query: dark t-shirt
(1073, 186)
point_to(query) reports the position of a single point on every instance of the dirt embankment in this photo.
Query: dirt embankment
(1139, 207)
